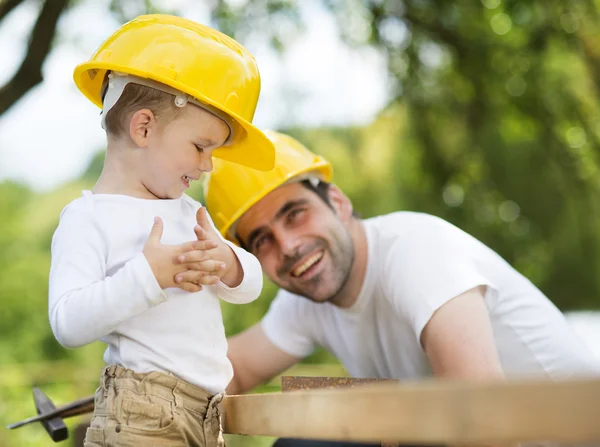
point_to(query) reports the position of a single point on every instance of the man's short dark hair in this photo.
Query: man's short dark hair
(322, 190)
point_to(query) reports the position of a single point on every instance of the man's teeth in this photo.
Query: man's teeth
(307, 264)
(187, 179)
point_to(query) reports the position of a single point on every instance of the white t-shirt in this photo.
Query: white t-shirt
(416, 263)
(102, 288)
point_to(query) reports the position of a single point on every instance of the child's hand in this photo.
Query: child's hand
(163, 260)
(216, 263)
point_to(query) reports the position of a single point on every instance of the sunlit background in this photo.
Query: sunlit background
(484, 112)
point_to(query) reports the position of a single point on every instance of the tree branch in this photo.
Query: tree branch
(29, 73)
(7, 6)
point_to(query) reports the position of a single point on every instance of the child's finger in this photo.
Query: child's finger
(195, 245)
(156, 231)
(202, 218)
(210, 280)
(190, 287)
(195, 256)
(201, 233)
(192, 276)
(209, 266)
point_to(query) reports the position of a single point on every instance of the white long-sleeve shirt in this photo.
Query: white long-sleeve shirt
(102, 288)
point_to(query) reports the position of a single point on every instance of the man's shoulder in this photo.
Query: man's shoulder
(406, 225)
(406, 237)
(406, 219)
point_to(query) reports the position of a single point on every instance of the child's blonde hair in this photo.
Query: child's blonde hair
(134, 98)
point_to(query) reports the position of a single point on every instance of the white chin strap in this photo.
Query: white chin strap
(118, 81)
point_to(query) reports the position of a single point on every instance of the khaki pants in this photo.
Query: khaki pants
(152, 409)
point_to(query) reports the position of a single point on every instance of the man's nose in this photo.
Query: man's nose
(288, 243)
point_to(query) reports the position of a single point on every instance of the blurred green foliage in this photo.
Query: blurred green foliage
(494, 125)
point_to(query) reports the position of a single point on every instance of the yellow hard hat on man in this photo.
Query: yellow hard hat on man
(207, 65)
(230, 190)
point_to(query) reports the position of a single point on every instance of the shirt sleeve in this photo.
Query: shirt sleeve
(252, 282)
(287, 324)
(425, 269)
(85, 304)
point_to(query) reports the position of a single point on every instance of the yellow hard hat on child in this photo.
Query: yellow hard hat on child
(207, 65)
(230, 190)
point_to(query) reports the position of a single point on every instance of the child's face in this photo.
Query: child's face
(180, 151)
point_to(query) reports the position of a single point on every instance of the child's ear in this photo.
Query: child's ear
(142, 123)
(340, 202)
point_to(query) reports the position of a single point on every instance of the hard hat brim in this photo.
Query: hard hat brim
(323, 170)
(250, 147)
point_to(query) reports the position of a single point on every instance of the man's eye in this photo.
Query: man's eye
(260, 242)
(199, 148)
(294, 213)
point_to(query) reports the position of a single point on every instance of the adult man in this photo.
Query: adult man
(405, 295)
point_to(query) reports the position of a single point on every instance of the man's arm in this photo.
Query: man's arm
(255, 359)
(459, 340)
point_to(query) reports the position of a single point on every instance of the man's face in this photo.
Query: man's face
(303, 245)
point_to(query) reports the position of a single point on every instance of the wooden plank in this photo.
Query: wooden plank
(298, 383)
(425, 412)
(310, 370)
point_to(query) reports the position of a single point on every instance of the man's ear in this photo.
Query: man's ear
(340, 202)
(141, 125)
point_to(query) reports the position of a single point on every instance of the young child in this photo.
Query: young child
(136, 262)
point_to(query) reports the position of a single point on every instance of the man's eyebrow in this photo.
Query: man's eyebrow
(280, 213)
(288, 206)
(253, 236)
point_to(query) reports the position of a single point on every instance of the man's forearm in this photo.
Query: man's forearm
(233, 387)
